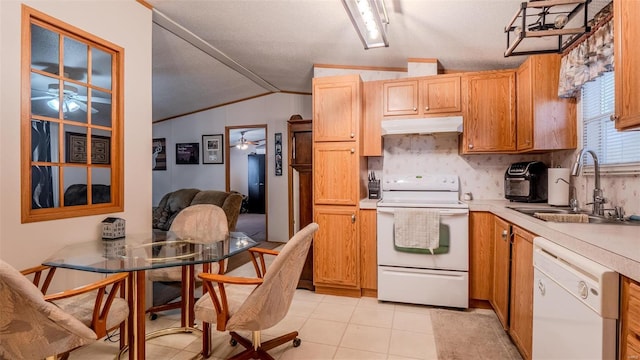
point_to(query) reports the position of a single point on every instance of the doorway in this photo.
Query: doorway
(245, 165)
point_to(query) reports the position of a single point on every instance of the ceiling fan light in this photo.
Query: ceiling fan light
(68, 106)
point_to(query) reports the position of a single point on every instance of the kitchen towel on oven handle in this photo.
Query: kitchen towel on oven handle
(417, 229)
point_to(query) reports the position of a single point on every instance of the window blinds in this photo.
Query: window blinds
(599, 133)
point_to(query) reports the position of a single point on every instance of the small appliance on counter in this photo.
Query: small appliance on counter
(374, 186)
(526, 182)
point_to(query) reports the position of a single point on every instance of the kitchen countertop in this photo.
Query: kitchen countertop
(614, 246)
(370, 204)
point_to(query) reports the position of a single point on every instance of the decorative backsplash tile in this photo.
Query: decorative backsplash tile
(483, 175)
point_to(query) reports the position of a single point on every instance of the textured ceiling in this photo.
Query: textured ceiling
(280, 40)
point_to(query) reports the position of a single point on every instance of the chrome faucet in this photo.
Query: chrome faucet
(598, 198)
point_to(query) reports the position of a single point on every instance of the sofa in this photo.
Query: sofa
(172, 203)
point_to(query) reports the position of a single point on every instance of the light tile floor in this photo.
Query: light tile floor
(331, 327)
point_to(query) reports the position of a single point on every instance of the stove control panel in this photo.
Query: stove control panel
(421, 182)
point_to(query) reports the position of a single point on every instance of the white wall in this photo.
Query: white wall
(127, 24)
(273, 110)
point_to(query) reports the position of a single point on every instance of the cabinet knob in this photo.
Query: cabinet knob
(470, 146)
(353, 151)
(415, 108)
(426, 108)
(352, 135)
(614, 117)
(504, 234)
(353, 218)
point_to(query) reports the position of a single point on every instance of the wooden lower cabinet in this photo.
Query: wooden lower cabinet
(521, 307)
(629, 319)
(501, 262)
(480, 255)
(368, 253)
(336, 250)
(501, 271)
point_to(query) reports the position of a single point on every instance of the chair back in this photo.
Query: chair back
(30, 327)
(202, 223)
(269, 303)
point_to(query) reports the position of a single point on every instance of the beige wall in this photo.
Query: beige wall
(127, 24)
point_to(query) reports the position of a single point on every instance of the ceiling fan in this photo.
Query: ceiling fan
(243, 143)
(71, 101)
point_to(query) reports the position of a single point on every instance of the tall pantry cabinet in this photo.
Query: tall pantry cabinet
(337, 188)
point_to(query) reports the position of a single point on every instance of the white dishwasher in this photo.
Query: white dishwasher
(575, 305)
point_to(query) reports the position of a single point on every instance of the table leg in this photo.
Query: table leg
(136, 324)
(188, 296)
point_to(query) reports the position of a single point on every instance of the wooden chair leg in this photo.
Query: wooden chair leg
(206, 340)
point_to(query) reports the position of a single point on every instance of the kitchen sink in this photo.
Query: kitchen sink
(593, 219)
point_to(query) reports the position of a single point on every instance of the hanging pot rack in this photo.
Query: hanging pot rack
(562, 12)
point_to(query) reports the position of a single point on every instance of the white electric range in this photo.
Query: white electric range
(415, 276)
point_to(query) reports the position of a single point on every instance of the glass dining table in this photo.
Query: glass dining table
(137, 254)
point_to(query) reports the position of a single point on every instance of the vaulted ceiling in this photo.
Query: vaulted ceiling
(263, 46)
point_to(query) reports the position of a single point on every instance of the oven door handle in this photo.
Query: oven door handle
(443, 212)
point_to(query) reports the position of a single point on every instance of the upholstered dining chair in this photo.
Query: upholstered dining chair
(36, 326)
(264, 307)
(202, 223)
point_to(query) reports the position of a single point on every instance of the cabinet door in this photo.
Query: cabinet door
(440, 95)
(490, 116)
(521, 312)
(629, 319)
(368, 253)
(371, 118)
(336, 252)
(480, 255)
(336, 108)
(335, 173)
(501, 258)
(400, 98)
(544, 121)
(627, 53)
(524, 107)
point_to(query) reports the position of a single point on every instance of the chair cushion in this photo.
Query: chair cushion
(81, 308)
(236, 295)
(174, 273)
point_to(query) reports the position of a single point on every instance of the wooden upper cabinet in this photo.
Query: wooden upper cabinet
(400, 98)
(440, 94)
(337, 107)
(627, 60)
(371, 118)
(490, 112)
(544, 121)
(424, 96)
(336, 167)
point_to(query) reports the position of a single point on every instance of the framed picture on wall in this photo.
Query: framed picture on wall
(212, 149)
(159, 157)
(187, 153)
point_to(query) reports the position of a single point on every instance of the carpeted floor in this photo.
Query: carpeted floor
(471, 334)
(254, 225)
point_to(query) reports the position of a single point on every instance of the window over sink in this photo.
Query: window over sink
(618, 152)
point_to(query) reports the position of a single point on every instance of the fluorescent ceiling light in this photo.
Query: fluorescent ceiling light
(370, 19)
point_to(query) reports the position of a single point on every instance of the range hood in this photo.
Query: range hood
(432, 125)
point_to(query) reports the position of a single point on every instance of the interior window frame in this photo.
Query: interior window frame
(116, 164)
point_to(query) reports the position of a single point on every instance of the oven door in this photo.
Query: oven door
(454, 229)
